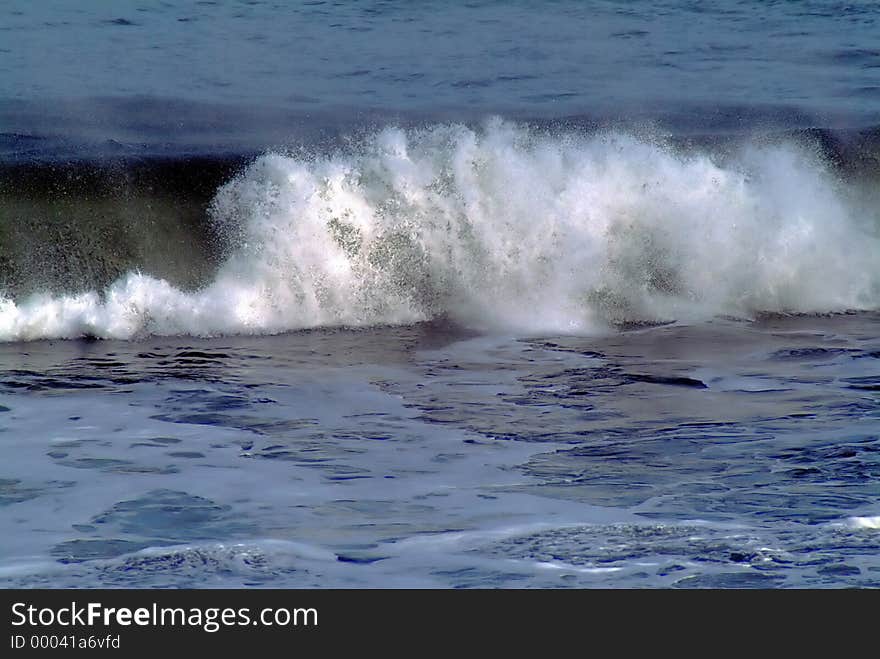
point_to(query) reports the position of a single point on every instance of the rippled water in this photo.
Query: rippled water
(729, 454)
(256, 72)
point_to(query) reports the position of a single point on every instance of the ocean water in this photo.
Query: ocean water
(485, 294)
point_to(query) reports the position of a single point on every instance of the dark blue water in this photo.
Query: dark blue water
(257, 72)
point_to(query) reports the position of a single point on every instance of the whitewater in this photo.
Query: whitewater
(502, 226)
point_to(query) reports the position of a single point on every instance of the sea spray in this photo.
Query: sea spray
(501, 227)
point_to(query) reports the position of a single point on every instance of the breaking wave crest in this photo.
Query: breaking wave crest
(504, 227)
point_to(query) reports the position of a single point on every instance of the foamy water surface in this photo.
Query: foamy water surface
(728, 454)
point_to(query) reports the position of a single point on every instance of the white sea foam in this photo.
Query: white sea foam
(866, 522)
(503, 227)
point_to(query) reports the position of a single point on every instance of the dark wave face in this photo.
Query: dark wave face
(77, 226)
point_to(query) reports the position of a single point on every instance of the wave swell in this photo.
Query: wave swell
(503, 227)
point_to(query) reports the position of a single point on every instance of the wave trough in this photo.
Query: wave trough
(502, 227)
